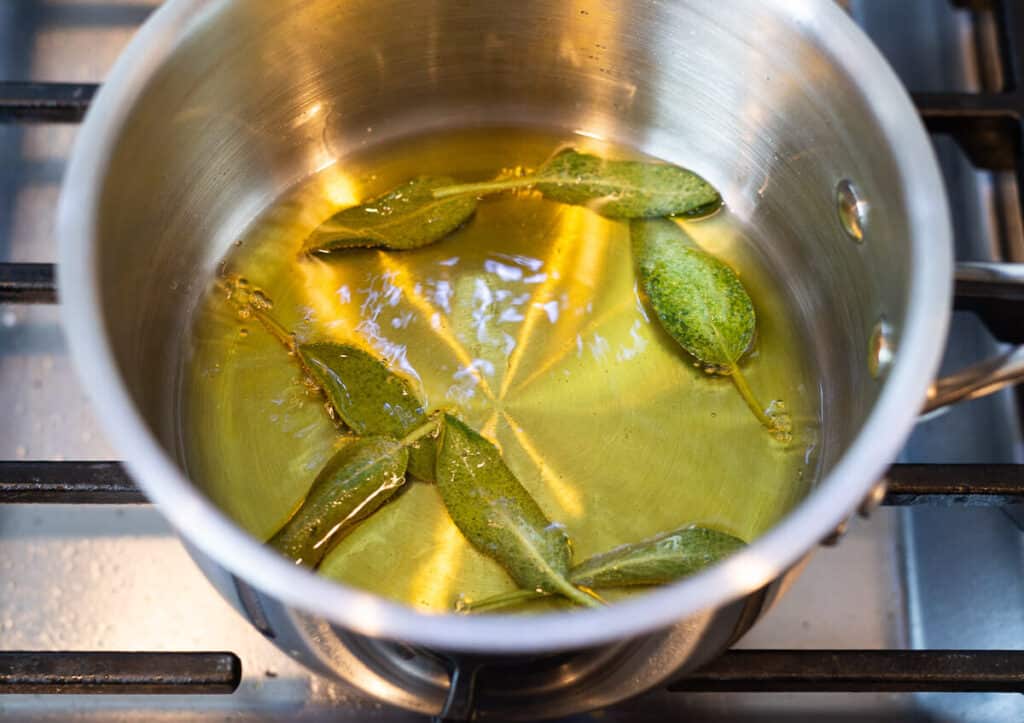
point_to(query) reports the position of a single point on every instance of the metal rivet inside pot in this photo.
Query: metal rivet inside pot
(852, 210)
(880, 348)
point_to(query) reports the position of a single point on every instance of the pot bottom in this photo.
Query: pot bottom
(470, 686)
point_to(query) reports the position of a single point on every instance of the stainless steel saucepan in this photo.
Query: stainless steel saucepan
(783, 104)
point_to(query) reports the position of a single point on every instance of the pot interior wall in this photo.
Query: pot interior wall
(260, 95)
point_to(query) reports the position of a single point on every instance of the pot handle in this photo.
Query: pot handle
(460, 703)
(989, 281)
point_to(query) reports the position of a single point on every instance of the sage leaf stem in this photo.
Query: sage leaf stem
(740, 382)
(656, 560)
(615, 189)
(251, 302)
(702, 304)
(485, 187)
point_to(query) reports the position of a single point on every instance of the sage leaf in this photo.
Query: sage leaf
(698, 299)
(360, 390)
(355, 482)
(406, 218)
(615, 189)
(369, 398)
(657, 560)
(702, 304)
(498, 516)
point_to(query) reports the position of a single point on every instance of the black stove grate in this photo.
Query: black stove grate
(119, 673)
(988, 126)
(859, 671)
(45, 102)
(105, 483)
(23, 283)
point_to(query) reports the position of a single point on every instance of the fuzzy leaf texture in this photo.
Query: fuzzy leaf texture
(698, 299)
(406, 218)
(656, 560)
(625, 189)
(369, 398)
(615, 189)
(498, 516)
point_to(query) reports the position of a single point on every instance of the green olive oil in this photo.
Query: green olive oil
(528, 323)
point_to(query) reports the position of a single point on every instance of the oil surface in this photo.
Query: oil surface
(528, 322)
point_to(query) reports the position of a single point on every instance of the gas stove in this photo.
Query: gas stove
(915, 614)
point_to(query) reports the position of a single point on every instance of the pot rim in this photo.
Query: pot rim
(198, 520)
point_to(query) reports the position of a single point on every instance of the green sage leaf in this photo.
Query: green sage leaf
(498, 516)
(406, 218)
(615, 189)
(369, 398)
(354, 483)
(656, 560)
(698, 299)
(624, 189)
(702, 304)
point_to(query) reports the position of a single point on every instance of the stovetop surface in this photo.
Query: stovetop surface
(117, 578)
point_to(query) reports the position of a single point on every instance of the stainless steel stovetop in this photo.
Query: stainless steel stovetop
(116, 578)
